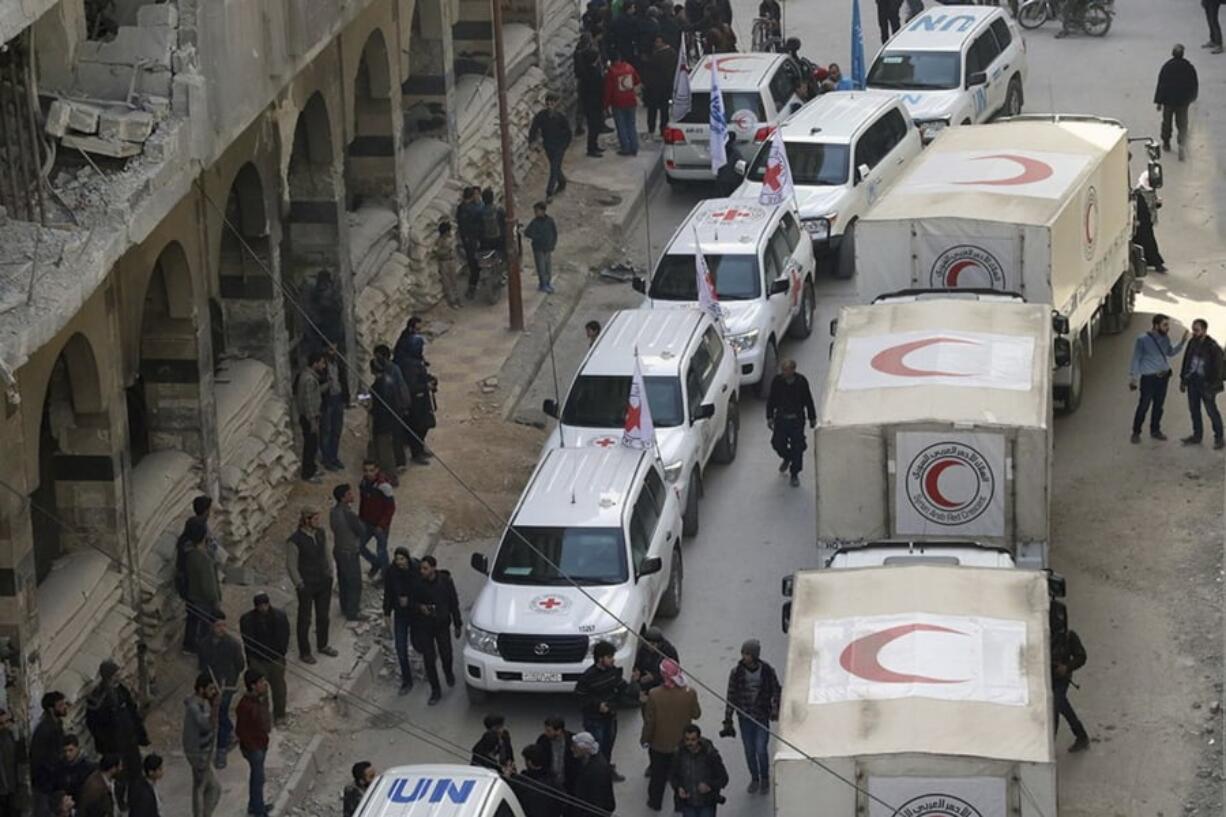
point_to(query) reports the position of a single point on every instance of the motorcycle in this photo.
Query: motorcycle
(493, 275)
(1095, 19)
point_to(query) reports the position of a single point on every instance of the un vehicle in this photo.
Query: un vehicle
(439, 790)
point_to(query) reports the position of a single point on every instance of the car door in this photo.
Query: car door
(783, 305)
(716, 385)
(1006, 64)
(867, 170)
(783, 90)
(988, 96)
(893, 133)
(801, 254)
(648, 538)
(697, 379)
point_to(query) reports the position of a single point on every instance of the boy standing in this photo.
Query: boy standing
(542, 231)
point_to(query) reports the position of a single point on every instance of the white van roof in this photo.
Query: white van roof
(437, 790)
(941, 28)
(658, 337)
(585, 486)
(737, 72)
(836, 116)
(724, 227)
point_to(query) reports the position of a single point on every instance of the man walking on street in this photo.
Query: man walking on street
(595, 778)
(1201, 377)
(670, 708)
(435, 606)
(600, 688)
(621, 84)
(698, 774)
(753, 693)
(310, 570)
(551, 127)
(376, 509)
(1177, 89)
(399, 581)
(221, 656)
(199, 742)
(348, 536)
(308, 400)
(787, 406)
(1212, 7)
(253, 729)
(46, 748)
(1151, 368)
(887, 17)
(542, 231)
(659, 71)
(265, 631)
(1067, 656)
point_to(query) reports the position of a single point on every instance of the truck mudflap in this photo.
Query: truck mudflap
(1136, 256)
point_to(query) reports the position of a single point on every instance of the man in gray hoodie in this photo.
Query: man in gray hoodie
(199, 741)
(348, 536)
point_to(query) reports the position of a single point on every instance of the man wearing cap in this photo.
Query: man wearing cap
(670, 707)
(753, 693)
(594, 782)
(265, 631)
(115, 723)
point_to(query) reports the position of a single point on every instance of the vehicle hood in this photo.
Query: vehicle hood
(925, 105)
(739, 316)
(811, 200)
(517, 608)
(668, 439)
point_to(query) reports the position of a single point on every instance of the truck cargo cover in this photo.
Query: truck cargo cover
(919, 659)
(906, 363)
(1016, 172)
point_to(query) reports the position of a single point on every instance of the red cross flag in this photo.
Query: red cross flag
(777, 180)
(708, 299)
(640, 432)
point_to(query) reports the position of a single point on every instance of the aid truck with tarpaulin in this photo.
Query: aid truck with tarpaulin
(935, 426)
(439, 790)
(1038, 206)
(921, 690)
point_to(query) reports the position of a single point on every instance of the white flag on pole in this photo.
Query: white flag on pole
(639, 432)
(719, 122)
(777, 175)
(708, 299)
(681, 86)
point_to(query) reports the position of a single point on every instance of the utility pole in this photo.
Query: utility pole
(515, 301)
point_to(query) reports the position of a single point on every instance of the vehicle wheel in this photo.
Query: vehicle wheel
(1073, 391)
(845, 265)
(673, 182)
(670, 602)
(1119, 306)
(1096, 20)
(1032, 14)
(770, 362)
(802, 325)
(476, 696)
(1013, 98)
(725, 449)
(689, 519)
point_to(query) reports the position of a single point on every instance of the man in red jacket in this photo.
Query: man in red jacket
(254, 725)
(376, 509)
(621, 82)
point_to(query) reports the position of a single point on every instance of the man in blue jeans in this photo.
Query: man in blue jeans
(1200, 377)
(600, 689)
(753, 693)
(253, 728)
(1150, 369)
(621, 84)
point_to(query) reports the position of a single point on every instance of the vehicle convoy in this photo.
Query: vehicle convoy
(690, 376)
(844, 148)
(762, 267)
(1038, 206)
(920, 689)
(954, 65)
(935, 428)
(439, 790)
(598, 519)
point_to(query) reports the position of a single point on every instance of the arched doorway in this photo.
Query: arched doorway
(370, 168)
(246, 289)
(429, 118)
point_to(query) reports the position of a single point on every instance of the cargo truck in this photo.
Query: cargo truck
(915, 691)
(935, 427)
(1039, 206)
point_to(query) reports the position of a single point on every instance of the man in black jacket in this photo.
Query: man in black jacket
(435, 606)
(46, 749)
(536, 791)
(399, 581)
(594, 783)
(265, 631)
(469, 216)
(1177, 89)
(74, 767)
(553, 745)
(143, 798)
(551, 127)
(654, 649)
(600, 689)
(753, 693)
(493, 749)
(1067, 656)
(310, 571)
(115, 723)
(221, 656)
(698, 774)
(589, 73)
(789, 403)
(1201, 377)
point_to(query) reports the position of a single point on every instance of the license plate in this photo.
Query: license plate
(550, 677)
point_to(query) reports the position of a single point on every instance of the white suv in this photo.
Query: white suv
(603, 519)
(954, 65)
(691, 379)
(763, 269)
(845, 149)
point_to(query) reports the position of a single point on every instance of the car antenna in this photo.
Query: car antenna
(557, 398)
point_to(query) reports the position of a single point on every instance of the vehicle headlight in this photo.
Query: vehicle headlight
(744, 341)
(617, 638)
(482, 640)
(818, 228)
(929, 130)
(673, 470)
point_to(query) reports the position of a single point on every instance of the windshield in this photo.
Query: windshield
(916, 70)
(599, 401)
(810, 163)
(735, 102)
(737, 278)
(559, 555)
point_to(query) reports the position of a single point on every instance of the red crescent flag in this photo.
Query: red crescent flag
(777, 178)
(639, 432)
(708, 300)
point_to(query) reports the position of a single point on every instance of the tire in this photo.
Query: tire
(1013, 98)
(1120, 304)
(802, 325)
(670, 602)
(476, 696)
(725, 449)
(1032, 14)
(1096, 20)
(845, 264)
(1076, 388)
(770, 362)
(689, 519)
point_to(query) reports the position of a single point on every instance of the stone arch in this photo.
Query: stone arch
(75, 492)
(370, 167)
(247, 291)
(429, 117)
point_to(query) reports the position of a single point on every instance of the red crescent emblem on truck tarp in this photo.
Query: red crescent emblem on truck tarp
(862, 656)
(893, 360)
(1033, 170)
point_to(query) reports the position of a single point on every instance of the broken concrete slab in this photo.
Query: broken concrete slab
(104, 147)
(162, 14)
(128, 126)
(57, 118)
(83, 118)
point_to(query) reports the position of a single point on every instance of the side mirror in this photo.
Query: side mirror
(639, 283)
(786, 616)
(1056, 586)
(740, 167)
(1063, 352)
(834, 326)
(1059, 324)
(779, 286)
(480, 563)
(705, 411)
(794, 107)
(787, 585)
(550, 407)
(649, 566)
(977, 78)
(862, 172)
(1155, 175)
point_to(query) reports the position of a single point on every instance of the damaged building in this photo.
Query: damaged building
(173, 180)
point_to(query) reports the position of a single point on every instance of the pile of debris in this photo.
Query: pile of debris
(109, 129)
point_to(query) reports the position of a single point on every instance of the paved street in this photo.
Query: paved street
(1137, 529)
